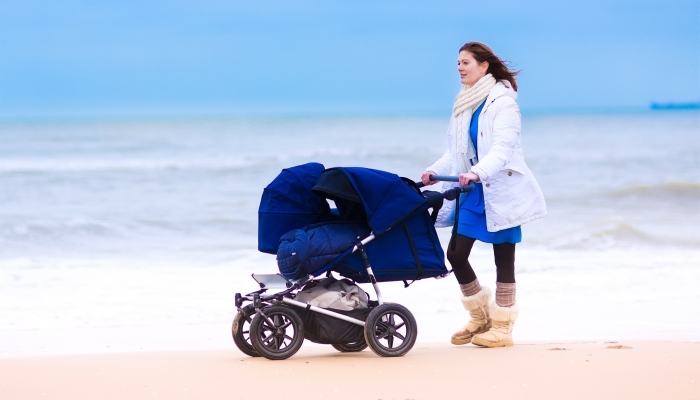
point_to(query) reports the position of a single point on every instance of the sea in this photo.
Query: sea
(135, 235)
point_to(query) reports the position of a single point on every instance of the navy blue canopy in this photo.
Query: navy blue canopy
(288, 203)
(381, 198)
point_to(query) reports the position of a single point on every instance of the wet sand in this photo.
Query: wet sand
(601, 370)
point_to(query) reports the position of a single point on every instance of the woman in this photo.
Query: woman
(483, 146)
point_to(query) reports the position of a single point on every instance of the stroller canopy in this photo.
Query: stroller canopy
(381, 198)
(288, 203)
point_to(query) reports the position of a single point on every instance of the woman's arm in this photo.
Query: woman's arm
(506, 132)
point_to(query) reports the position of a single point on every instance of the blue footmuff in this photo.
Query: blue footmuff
(302, 252)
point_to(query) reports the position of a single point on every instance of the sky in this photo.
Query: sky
(127, 58)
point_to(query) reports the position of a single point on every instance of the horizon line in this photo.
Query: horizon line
(199, 116)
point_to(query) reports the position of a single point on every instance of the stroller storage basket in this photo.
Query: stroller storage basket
(324, 329)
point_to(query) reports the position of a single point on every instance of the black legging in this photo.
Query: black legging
(503, 254)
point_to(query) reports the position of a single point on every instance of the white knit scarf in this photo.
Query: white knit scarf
(467, 101)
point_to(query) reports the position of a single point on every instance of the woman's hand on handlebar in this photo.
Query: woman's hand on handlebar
(467, 177)
(425, 178)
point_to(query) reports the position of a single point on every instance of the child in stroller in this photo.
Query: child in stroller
(381, 231)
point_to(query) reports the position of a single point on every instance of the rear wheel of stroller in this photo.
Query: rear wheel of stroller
(241, 330)
(278, 334)
(350, 347)
(390, 330)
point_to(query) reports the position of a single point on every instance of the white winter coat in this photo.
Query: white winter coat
(512, 196)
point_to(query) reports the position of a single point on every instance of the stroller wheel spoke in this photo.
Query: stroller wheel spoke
(382, 335)
(399, 326)
(268, 325)
(390, 341)
(400, 336)
(267, 339)
(286, 325)
(277, 332)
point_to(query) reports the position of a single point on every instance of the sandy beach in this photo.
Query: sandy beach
(556, 370)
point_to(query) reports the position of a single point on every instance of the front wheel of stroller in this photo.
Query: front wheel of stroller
(390, 330)
(350, 347)
(241, 330)
(278, 334)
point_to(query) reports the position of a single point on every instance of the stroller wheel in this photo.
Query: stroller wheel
(350, 347)
(390, 330)
(278, 334)
(241, 330)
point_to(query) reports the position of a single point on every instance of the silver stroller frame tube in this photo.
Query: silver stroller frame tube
(361, 247)
(322, 311)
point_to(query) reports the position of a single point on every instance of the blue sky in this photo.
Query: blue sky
(171, 58)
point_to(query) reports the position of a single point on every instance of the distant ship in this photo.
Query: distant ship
(675, 106)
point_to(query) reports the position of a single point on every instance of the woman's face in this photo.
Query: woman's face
(470, 70)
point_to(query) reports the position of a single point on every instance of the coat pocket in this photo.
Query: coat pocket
(497, 198)
(514, 167)
(518, 189)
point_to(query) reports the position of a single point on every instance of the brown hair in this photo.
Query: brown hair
(497, 67)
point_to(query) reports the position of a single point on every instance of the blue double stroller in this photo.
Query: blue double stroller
(380, 230)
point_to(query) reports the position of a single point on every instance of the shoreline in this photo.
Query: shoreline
(529, 370)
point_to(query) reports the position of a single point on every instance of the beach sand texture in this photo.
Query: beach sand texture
(558, 370)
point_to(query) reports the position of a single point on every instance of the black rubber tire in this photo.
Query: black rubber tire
(278, 334)
(350, 347)
(240, 330)
(388, 324)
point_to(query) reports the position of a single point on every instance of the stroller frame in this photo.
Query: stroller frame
(269, 318)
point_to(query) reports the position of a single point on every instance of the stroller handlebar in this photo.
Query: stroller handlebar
(435, 199)
(448, 178)
(445, 178)
(439, 178)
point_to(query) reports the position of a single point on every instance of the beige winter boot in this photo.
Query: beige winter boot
(478, 307)
(502, 320)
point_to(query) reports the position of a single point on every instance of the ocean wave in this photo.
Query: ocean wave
(611, 233)
(133, 229)
(680, 190)
(664, 196)
(59, 165)
(233, 162)
(48, 229)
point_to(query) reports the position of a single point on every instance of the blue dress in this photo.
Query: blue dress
(472, 214)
